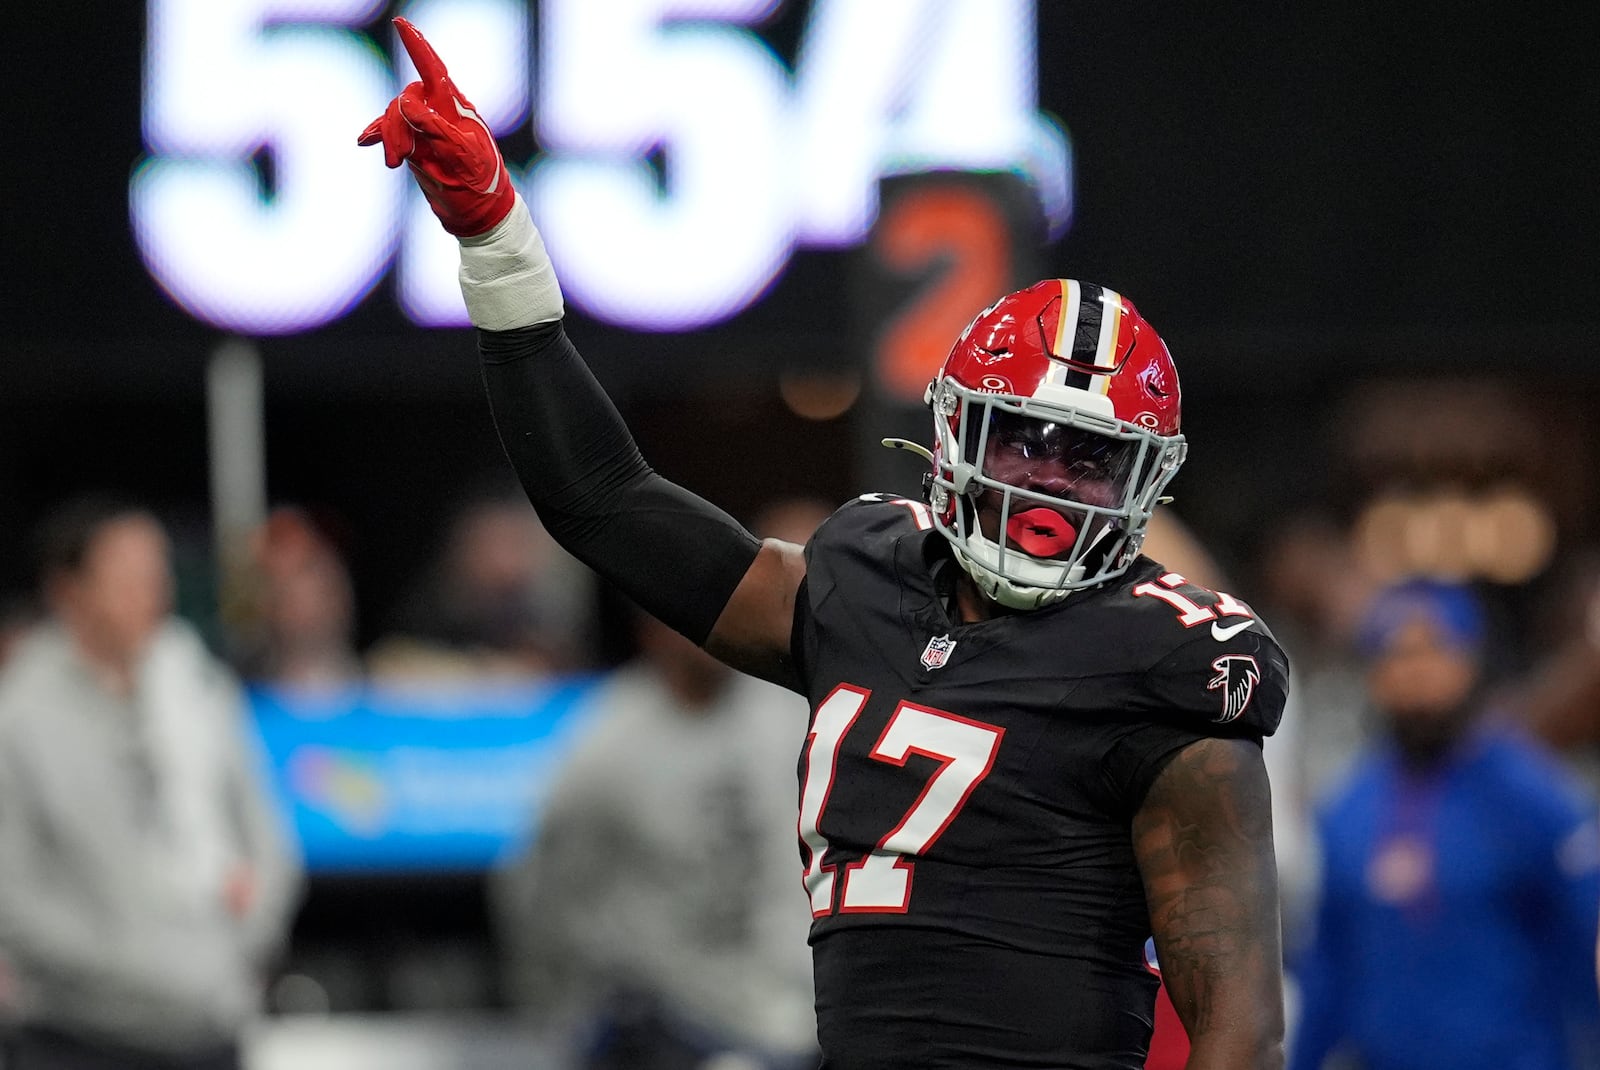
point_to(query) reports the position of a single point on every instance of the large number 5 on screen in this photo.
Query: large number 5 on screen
(880, 883)
(226, 83)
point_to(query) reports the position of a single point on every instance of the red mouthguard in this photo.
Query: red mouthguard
(1041, 532)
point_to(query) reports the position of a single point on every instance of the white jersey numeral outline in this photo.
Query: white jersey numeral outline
(880, 883)
(834, 717)
(1191, 612)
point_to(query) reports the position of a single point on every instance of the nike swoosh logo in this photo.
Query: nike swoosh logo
(1222, 635)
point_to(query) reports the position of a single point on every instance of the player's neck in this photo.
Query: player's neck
(972, 605)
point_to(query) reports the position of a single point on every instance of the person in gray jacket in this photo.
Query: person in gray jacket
(656, 923)
(146, 877)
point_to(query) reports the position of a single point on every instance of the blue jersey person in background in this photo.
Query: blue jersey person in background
(1461, 872)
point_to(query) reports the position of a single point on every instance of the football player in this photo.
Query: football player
(1030, 747)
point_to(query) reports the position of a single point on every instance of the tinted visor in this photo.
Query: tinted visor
(1058, 460)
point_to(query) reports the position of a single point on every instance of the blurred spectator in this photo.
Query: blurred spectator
(17, 618)
(147, 881)
(660, 914)
(1460, 885)
(1314, 589)
(662, 899)
(503, 600)
(1317, 590)
(305, 623)
(1561, 699)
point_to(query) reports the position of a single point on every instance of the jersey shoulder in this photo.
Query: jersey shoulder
(875, 515)
(862, 535)
(1211, 661)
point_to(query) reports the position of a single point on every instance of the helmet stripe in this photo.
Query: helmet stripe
(1091, 313)
(1067, 322)
(1105, 354)
(1061, 373)
(1088, 330)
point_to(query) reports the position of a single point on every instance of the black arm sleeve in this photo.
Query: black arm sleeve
(674, 553)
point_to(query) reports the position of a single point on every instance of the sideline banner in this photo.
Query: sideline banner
(422, 778)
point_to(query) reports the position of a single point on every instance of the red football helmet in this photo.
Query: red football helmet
(1056, 429)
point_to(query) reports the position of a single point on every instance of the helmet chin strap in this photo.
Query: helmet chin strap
(1014, 595)
(1010, 593)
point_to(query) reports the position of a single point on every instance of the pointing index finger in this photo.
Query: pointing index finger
(429, 66)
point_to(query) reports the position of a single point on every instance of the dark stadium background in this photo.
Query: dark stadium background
(1298, 195)
(1313, 201)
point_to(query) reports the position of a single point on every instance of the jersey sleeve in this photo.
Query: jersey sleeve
(1138, 755)
(1234, 686)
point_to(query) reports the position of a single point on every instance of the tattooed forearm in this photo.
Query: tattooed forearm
(1203, 839)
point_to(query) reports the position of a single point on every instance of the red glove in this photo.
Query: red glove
(452, 153)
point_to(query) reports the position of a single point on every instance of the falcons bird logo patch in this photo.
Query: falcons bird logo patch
(1236, 679)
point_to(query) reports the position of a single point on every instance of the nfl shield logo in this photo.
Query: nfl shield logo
(940, 647)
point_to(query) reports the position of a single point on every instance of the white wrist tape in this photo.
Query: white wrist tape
(506, 276)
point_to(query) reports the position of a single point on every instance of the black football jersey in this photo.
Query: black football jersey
(967, 792)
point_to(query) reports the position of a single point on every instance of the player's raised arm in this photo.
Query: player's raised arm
(682, 559)
(1203, 840)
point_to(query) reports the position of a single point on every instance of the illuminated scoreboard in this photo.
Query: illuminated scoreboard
(681, 161)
